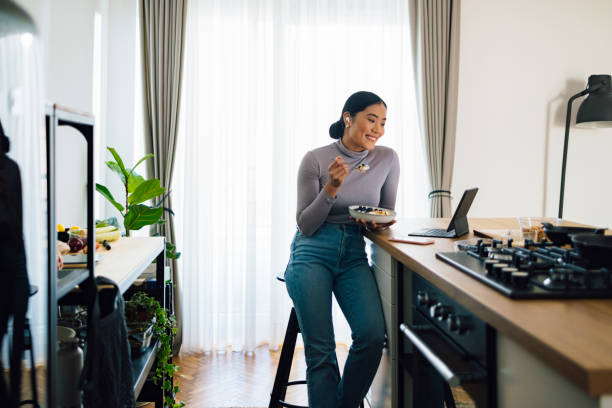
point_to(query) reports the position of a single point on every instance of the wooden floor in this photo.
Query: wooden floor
(230, 379)
(240, 380)
(233, 379)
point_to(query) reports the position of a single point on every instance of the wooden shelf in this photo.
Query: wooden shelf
(128, 258)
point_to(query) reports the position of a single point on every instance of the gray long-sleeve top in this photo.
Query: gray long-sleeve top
(376, 186)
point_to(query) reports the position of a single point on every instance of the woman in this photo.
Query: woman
(14, 290)
(328, 251)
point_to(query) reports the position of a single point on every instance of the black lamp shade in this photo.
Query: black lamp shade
(596, 110)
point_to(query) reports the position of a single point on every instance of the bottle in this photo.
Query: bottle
(69, 366)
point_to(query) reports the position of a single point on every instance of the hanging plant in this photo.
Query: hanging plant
(164, 328)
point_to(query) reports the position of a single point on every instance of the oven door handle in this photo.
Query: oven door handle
(449, 376)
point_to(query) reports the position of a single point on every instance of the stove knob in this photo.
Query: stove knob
(436, 311)
(444, 312)
(451, 322)
(519, 279)
(457, 324)
(423, 298)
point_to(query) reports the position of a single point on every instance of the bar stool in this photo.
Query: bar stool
(29, 345)
(281, 380)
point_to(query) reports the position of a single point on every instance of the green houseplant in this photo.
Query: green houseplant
(136, 192)
(136, 214)
(142, 308)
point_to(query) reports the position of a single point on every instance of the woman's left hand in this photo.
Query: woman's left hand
(373, 226)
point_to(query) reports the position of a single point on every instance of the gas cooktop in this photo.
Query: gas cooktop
(540, 270)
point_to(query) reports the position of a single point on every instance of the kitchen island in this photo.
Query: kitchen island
(549, 352)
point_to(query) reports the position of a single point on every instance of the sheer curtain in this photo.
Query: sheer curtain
(22, 117)
(263, 81)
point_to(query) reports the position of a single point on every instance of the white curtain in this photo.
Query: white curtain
(21, 113)
(263, 81)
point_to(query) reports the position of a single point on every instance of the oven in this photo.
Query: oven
(446, 353)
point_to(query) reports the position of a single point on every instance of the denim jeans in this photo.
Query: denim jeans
(333, 260)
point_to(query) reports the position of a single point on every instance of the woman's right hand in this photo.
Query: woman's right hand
(337, 170)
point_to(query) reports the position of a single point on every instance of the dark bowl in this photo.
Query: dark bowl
(560, 235)
(596, 248)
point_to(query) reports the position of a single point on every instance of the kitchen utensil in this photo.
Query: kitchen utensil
(595, 247)
(378, 215)
(560, 235)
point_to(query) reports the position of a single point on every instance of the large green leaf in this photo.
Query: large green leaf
(147, 190)
(140, 161)
(134, 181)
(115, 168)
(107, 194)
(140, 215)
(119, 161)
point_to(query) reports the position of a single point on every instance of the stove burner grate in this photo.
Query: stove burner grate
(539, 271)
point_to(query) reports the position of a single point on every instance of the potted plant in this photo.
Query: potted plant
(140, 312)
(137, 191)
(142, 309)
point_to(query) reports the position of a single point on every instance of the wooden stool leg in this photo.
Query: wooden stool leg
(284, 363)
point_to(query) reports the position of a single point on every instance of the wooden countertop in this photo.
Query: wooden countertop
(128, 258)
(572, 336)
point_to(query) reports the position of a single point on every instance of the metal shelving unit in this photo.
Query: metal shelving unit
(60, 285)
(66, 280)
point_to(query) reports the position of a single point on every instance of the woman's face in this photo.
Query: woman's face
(365, 128)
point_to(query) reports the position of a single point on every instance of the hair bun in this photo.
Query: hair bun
(336, 130)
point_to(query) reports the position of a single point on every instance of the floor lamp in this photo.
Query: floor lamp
(594, 112)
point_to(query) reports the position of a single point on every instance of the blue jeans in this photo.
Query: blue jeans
(333, 260)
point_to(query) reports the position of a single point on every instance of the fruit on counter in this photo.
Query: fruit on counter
(75, 228)
(102, 230)
(60, 228)
(109, 236)
(75, 244)
(85, 247)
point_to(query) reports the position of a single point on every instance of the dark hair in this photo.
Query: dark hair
(353, 105)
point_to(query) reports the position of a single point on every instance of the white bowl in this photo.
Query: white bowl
(368, 213)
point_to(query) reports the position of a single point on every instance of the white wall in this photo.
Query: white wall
(66, 30)
(122, 56)
(66, 33)
(520, 61)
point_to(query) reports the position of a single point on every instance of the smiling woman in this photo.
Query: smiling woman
(328, 257)
(263, 80)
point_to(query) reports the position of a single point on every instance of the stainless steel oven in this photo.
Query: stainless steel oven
(447, 354)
